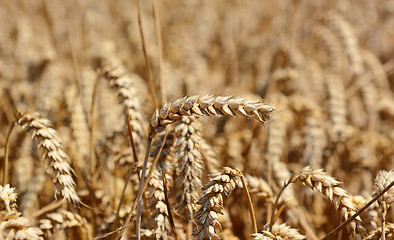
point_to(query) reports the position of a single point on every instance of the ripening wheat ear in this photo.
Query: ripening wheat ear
(63, 219)
(129, 96)
(212, 202)
(279, 232)
(159, 216)
(349, 39)
(189, 166)
(377, 233)
(318, 180)
(382, 180)
(8, 198)
(13, 226)
(50, 149)
(207, 105)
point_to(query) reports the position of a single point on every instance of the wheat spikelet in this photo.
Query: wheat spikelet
(50, 149)
(189, 166)
(318, 180)
(349, 39)
(212, 202)
(279, 232)
(15, 227)
(8, 198)
(207, 105)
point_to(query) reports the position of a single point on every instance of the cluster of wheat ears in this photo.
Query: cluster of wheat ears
(197, 119)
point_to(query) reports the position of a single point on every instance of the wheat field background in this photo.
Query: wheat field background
(172, 119)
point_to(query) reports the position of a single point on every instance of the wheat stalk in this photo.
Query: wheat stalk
(50, 149)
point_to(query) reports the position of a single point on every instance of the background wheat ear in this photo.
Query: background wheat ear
(51, 152)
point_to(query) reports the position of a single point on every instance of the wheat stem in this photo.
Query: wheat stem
(251, 209)
(274, 206)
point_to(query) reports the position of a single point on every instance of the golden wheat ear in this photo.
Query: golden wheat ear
(208, 105)
(51, 151)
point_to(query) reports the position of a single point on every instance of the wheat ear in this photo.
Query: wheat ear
(376, 234)
(8, 198)
(279, 232)
(50, 149)
(189, 166)
(382, 180)
(207, 105)
(212, 202)
(128, 95)
(318, 180)
(155, 192)
(13, 226)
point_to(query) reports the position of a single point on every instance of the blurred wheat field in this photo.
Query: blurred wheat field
(171, 119)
